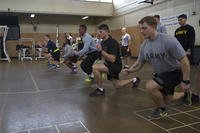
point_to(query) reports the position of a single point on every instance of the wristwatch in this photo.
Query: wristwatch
(186, 81)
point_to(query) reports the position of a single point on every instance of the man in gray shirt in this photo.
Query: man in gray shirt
(170, 64)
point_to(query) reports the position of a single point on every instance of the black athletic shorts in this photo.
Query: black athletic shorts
(56, 55)
(168, 80)
(124, 52)
(113, 71)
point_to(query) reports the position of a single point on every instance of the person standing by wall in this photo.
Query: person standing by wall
(125, 46)
(185, 34)
(160, 28)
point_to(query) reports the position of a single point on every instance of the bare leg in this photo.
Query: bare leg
(120, 83)
(176, 96)
(97, 70)
(153, 90)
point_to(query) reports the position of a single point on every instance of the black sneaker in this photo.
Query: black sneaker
(187, 99)
(136, 82)
(97, 92)
(195, 99)
(158, 113)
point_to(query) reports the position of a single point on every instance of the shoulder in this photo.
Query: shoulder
(191, 27)
(179, 28)
(144, 44)
(113, 40)
(50, 42)
(167, 38)
(127, 35)
(87, 36)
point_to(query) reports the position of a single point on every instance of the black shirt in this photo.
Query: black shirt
(186, 36)
(111, 46)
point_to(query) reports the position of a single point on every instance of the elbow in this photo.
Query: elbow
(112, 60)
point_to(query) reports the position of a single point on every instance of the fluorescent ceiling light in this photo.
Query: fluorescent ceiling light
(85, 17)
(32, 15)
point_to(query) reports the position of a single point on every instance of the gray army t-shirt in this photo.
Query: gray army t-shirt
(163, 53)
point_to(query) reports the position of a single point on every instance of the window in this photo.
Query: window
(92, 0)
(108, 1)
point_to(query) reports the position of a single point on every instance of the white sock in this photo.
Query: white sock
(134, 80)
(91, 75)
(100, 88)
(74, 64)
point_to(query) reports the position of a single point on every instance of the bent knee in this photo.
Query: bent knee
(95, 67)
(152, 86)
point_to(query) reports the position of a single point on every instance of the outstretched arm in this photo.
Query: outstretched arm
(185, 66)
(135, 67)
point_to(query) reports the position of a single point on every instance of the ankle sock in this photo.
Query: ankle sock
(91, 75)
(100, 88)
(134, 80)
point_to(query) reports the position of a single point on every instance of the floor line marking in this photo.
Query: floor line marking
(185, 125)
(57, 129)
(185, 112)
(34, 82)
(67, 123)
(2, 110)
(48, 126)
(30, 92)
(180, 112)
(88, 131)
(152, 123)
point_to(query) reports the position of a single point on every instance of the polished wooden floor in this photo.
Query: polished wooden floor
(34, 99)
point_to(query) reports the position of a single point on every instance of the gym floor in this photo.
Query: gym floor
(34, 99)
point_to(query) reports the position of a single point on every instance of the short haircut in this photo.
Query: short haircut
(83, 26)
(150, 20)
(104, 27)
(157, 16)
(183, 16)
(48, 36)
(123, 28)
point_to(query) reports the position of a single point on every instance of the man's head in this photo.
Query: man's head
(148, 26)
(123, 30)
(157, 18)
(182, 19)
(47, 37)
(103, 31)
(82, 29)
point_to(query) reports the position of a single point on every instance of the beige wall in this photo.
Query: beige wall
(130, 18)
(51, 28)
(71, 7)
